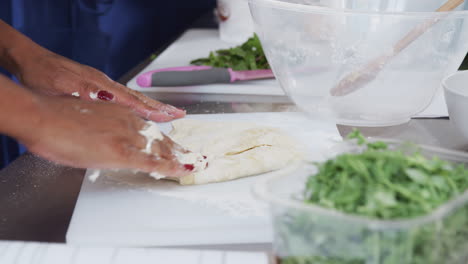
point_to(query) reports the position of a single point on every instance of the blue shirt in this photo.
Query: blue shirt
(110, 35)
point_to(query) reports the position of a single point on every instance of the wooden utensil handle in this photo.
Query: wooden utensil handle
(423, 27)
(358, 78)
(450, 5)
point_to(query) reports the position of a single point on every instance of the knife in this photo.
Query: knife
(198, 75)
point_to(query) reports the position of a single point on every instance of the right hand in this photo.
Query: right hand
(98, 135)
(51, 74)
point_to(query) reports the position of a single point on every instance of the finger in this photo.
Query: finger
(162, 113)
(138, 124)
(74, 85)
(99, 87)
(164, 148)
(90, 91)
(158, 149)
(130, 157)
(175, 146)
(149, 108)
(140, 143)
(143, 105)
(150, 163)
(173, 111)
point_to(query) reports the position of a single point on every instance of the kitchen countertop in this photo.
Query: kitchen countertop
(37, 197)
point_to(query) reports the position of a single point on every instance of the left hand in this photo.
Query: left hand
(52, 74)
(95, 135)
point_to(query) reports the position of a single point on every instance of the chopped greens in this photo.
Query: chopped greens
(379, 182)
(248, 56)
(385, 184)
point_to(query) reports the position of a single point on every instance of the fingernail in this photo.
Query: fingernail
(105, 96)
(189, 167)
(171, 108)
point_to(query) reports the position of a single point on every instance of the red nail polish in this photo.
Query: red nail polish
(105, 96)
(204, 157)
(189, 167)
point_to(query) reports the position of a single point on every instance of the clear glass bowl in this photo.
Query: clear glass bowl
(312, 45)
(308, 234)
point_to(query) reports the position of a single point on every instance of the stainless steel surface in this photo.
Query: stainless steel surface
(37, 198)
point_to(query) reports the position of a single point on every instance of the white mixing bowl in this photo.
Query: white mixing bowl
(456, 97)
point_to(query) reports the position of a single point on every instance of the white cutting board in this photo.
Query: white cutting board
(159, 213)
(194, 44)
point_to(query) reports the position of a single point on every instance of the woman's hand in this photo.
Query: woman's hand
(52, 74)
(97, 135)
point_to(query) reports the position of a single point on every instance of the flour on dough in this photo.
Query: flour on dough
(151, 133)
(233, 149)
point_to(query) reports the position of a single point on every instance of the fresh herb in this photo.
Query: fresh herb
(248, 56)
(380, 183)
(385, 184)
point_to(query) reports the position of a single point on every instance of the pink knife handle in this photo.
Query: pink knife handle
(144, 80)
(250, 75)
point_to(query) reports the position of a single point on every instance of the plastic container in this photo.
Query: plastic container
(313, 45)
(235, 21)
(308, 234)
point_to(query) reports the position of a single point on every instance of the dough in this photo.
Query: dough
(233, 149)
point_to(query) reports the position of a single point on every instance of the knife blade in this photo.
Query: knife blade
(198, 75)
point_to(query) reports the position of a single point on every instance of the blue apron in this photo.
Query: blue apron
(110, 35)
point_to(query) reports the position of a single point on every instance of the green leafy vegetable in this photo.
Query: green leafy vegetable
(380, 182)
(385, 184)
(248, 56)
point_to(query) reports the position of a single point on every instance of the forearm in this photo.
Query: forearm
(15, 48)
(19, 110)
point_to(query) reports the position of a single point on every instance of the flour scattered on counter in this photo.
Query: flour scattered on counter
(93, 95)
(236, 204)
(234, 199)
(94, 175)
(76, 94)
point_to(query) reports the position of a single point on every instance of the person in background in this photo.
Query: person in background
(42, 113)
